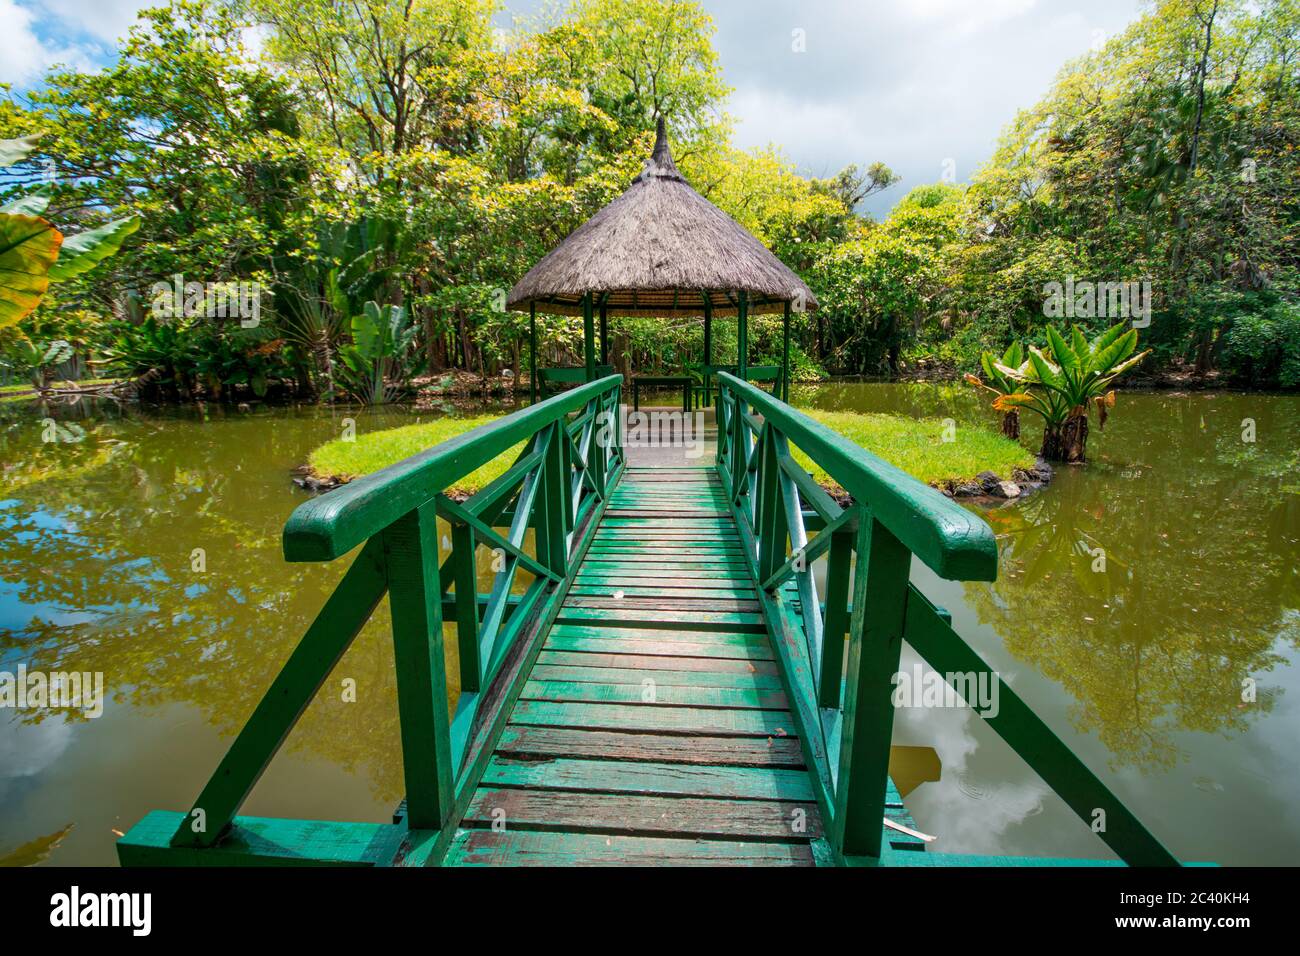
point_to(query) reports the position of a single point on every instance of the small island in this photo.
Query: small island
(961, 460)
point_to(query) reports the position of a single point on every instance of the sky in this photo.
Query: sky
(924, 86)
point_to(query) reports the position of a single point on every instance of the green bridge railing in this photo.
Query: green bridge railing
(844, 710)
(558, 487)
(572, 457)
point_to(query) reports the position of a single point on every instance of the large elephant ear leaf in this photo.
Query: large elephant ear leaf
(16, 150)
(29, 246)
(1062, 352)
(366, 333)
(1107, 338)
(87, 249)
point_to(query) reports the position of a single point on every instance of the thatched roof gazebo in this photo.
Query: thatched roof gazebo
(661, 249)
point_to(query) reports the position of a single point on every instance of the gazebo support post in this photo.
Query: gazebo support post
(742, 337)
(604, 333)
(532, 353)
(708, 345)
(785, 355)
(588, 337)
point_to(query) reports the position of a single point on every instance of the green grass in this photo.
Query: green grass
(375, 450)
(916, 445)
(913, 444)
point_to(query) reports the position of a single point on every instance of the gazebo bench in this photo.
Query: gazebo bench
(685, 382)
(558, 378)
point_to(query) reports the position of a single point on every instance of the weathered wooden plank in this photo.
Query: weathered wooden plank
(685, 604)
(605, 589)
(627, 645)
(617, 776)
(710, 579)
(724, 566)
(635, 815)
(525, 741)
(722, 549)
(477, 847)
(652, 693)
(715, 664)
(664, 678)
(679, 620)
(677, 720)
(737, 638)
(654, 578)
(259, 841)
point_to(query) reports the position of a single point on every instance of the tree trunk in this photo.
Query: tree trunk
(1011, 424)
(1068, 441)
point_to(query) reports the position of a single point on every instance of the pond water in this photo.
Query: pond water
(1138, 663)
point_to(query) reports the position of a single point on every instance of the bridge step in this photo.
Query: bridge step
(653, 727)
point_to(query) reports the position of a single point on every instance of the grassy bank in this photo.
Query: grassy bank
(345, 460)
(917, 446)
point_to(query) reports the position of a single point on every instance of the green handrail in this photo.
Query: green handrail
(954, 543)
(557, 487)
(330, 526)
(845, 713)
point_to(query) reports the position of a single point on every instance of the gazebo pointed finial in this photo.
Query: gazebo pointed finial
(660, 164)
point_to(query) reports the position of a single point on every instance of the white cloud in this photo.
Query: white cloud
(21, 54)
(911, 85)
(34, 38)
(104, 20)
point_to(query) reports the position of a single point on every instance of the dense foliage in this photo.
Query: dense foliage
(411, 155)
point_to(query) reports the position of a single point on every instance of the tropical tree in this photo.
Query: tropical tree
(376, 365)
(1064, 380)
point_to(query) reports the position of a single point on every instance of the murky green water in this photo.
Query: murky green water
(1138, 662)
(1140, 666)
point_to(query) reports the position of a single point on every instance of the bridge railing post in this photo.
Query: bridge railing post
(415, 603)
(845, 724)
(875, 644)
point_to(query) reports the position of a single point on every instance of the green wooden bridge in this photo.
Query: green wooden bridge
(653, 677)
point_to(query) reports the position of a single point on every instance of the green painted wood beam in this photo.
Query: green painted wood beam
(329, 526)
(411, 554)
(263, 841)
(785, 354)
(928, 631)
(879, 598)
(532, 353)
(954, 543)
(604, 333)
(330, 635)
(588, 338)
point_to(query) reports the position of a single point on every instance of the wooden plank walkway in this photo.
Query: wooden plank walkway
(653, 728)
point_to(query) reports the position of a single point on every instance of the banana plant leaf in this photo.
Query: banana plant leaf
(87, 249)
(29, 247)
(32, 204)
(16, 150)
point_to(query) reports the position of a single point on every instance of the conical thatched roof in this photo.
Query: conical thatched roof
(658, 249)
